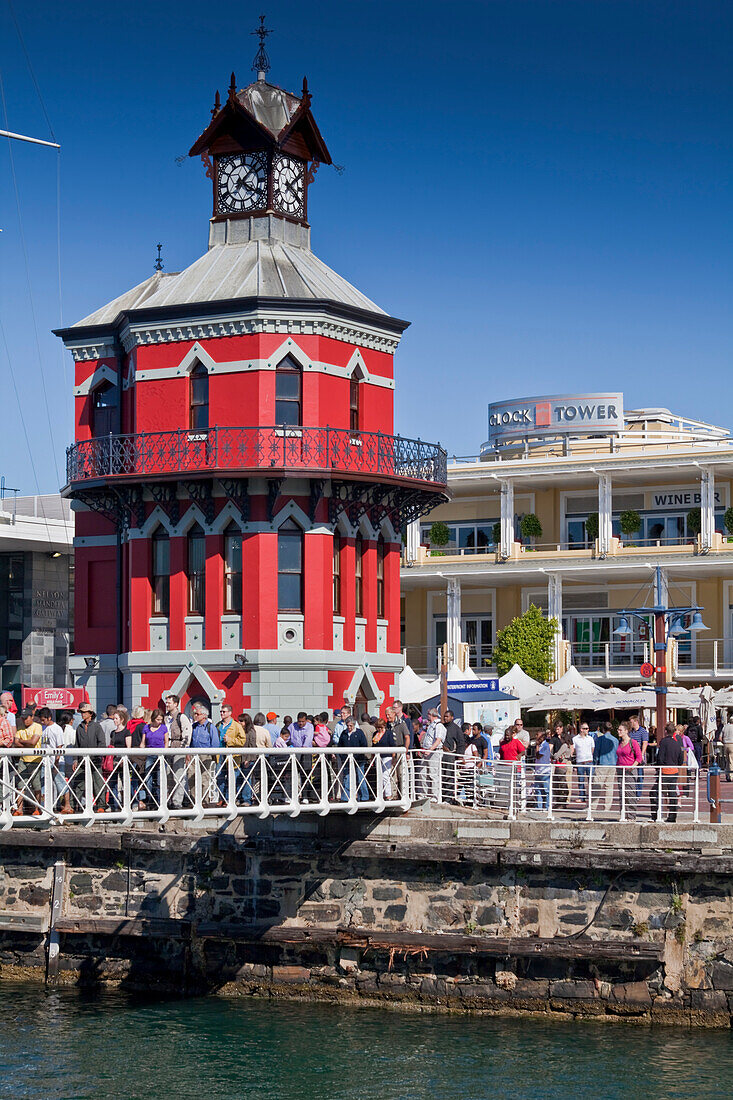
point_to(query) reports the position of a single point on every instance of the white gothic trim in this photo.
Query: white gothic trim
(228, 514)
(102, 373)
(291, 510)
(363, 676)
(157, 518)
(192, 515)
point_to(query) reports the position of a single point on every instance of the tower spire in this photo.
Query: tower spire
(261, 63)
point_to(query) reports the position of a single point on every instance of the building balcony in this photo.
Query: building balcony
(257, 451)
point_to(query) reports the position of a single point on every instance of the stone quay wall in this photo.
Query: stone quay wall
(431, 910)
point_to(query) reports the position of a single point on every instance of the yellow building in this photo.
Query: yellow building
(616, 494)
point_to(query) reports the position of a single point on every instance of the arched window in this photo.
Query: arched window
(288, 393)
(354, 392)
(232, 569)
(359, 576)
(104, 410)
(336, 573)
(196, 571)
(199, 398)
(161, 572)
(380, 577)
(290, 567)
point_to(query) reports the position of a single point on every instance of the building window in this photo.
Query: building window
(354, 392)
(12, 584)
(288, 393)
(290, 567)
(465, 538)
(336, 573)
(199, 402)
(104, 410)
(380, 577)
(161, 572)
(359, 576)
(232, 569)
(196, 571)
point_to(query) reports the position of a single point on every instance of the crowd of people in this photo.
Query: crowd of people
(451, 761)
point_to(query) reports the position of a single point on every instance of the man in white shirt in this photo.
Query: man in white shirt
(52, 740)
(431, 754)
(583, 749)
(726, 736)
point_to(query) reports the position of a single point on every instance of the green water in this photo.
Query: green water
(68, 1045)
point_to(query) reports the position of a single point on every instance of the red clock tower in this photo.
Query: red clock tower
(238, 489)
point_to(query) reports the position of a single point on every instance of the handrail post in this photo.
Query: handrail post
(589, 815)
(511, 813)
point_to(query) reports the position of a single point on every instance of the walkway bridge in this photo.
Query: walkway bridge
(105, 786)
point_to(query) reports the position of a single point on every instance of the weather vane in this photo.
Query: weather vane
(261, 63)
(158, 265)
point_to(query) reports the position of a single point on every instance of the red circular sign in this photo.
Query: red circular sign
(55, 698)
(647, 670)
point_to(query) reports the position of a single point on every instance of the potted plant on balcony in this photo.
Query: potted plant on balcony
(439, 536)
(728, 523)
(496, 532)
(530, 527)
(630, 523)
(591, 527)
(694, 523)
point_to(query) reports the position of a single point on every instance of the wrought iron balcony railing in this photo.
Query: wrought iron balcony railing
(330, 451)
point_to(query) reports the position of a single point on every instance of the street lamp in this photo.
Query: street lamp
(668, 623)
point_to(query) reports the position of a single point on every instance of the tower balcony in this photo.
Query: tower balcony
(255, 452)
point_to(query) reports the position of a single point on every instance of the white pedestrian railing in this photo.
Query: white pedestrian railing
(125, 785)
(581, 792)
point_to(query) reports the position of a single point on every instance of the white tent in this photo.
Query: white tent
(572, 680)
(412, 688)
(724, 696)
(516, 682)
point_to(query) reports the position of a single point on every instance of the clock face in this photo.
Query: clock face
(288, 180)
(242, 183)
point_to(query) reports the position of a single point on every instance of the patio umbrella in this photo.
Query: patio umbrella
(707, 711)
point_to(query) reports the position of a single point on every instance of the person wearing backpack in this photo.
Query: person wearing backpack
(204, 736)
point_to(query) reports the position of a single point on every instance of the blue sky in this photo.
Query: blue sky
(541, 187)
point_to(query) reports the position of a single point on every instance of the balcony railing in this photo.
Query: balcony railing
(331, 451)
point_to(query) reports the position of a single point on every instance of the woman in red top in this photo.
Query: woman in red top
(511, 749)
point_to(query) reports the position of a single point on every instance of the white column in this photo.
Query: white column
(507, 518)
(453, 625)
(554, 611)
(413, 539)
(605, 508)
(707, 508)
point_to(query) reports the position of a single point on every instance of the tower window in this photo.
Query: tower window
(359, 576)
(232, 569)
(199, 399)
(380, 577)
(354, 392)
(196, 571)
(288, 393)
(104, 410)
(161, 572)
(290, 567)
(336, 573)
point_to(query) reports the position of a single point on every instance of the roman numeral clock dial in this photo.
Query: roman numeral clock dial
(288, 179)
(242, 183)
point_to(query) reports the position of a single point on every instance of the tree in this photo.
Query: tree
(629, 522)
(527, 642)
(591, 526)
(530, 526)
(496, 530)
(694, 521)
(439, 534)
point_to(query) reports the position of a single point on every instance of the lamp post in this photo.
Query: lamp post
(668, 622)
